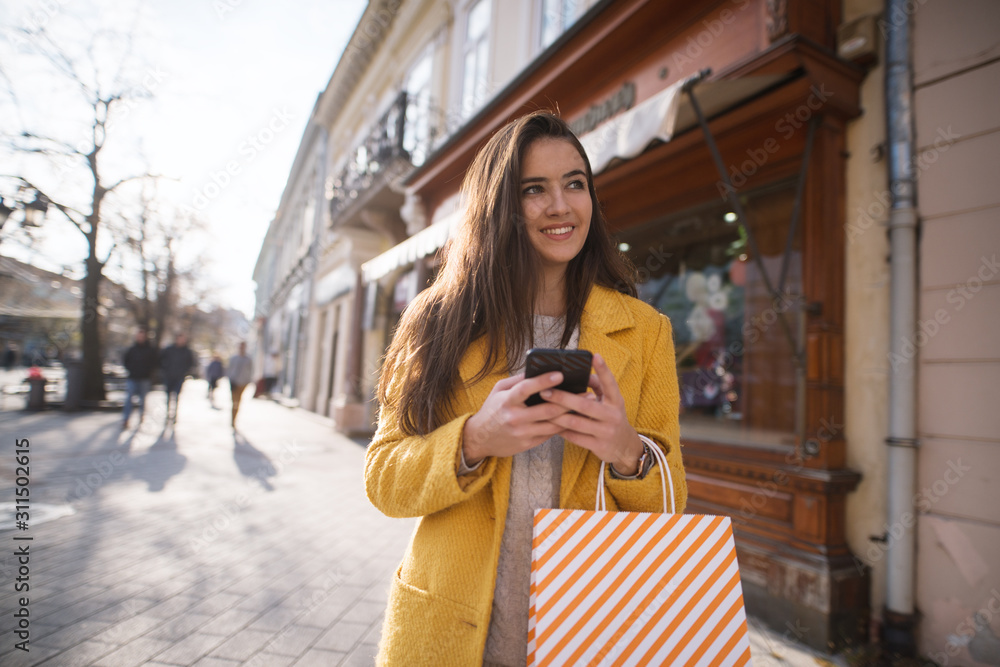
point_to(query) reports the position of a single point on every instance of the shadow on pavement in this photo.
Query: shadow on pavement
(252, 462)
(160, 462)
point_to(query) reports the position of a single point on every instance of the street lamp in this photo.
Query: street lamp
(34, 210)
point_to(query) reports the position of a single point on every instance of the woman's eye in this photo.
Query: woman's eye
(577, 185)
(532, 190)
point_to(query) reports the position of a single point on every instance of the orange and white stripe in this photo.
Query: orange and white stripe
(629, 588)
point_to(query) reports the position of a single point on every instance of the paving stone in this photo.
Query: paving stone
(215, 604)
(242, 645)
(124, 610)
(126, 631)
(365, 612)
(229, 622)
(134, 653)
(191, 649)
(265, 659)
(342, 636)
(72, 613)
(80, 655)
(69, 635)
(275, 619)
(263, 599)
(36, 655)
(172, 607)
(319, 658)
(362, 656)
(215, 662)
(179, 627)
(293, 641)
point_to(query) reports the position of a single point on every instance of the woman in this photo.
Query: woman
(533, 266)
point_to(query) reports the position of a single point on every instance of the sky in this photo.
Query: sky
(232, 85)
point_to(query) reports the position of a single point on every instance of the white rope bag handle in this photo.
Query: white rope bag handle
(665, 479)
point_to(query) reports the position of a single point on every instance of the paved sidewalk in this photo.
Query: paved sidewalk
(192, 546)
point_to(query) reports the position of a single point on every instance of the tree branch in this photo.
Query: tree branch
(64, 148)
(127, 179)
(62, 208)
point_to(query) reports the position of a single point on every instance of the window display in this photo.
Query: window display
(735, 365)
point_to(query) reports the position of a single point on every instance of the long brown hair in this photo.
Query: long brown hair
(489, 281)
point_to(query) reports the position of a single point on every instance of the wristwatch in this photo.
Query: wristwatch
(645, 463)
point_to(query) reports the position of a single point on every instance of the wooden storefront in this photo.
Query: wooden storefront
(762, 441)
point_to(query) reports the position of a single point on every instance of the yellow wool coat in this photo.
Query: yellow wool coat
(441, 596)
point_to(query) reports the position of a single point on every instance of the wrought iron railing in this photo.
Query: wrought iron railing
(398, 142)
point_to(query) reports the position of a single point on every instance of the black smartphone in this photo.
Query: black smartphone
(573, 364)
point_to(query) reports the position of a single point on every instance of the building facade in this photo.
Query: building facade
(740, 153)
(286, 269)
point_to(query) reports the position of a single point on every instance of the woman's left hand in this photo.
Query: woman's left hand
(600, 424)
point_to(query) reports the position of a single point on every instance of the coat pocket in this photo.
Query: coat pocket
(426, 629)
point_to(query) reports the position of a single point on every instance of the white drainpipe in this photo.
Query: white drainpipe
(903, 219)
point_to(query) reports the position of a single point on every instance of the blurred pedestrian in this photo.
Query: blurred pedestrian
(240, 375)
(176, 362)
(140, 362)
(213, 374)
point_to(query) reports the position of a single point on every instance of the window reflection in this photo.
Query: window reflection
(735, 365)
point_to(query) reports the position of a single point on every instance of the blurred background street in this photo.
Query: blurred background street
(194, 546)
(806, 190)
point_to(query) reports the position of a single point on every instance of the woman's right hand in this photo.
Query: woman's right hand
(505, 426)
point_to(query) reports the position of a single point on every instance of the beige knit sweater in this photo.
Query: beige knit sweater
(534, 484)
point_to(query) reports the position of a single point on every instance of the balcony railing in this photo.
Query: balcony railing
(398, 142)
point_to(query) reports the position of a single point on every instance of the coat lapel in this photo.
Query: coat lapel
(604, 314)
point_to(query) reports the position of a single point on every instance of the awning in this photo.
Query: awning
(665, 114)
(623, 137)
(423, 243)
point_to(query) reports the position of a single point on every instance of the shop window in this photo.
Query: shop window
(557, 16)
(475, 56)
(735, 360)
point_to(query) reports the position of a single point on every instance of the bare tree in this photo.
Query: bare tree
(159, 278)
(72, 175)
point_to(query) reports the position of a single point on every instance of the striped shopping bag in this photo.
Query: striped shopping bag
(633, 588)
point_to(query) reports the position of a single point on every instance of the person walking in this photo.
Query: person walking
(176, 362)
(213, 374)
(240, 371)
(140, 362)
(533, 264)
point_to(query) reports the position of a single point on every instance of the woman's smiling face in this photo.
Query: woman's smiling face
(555, 198)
